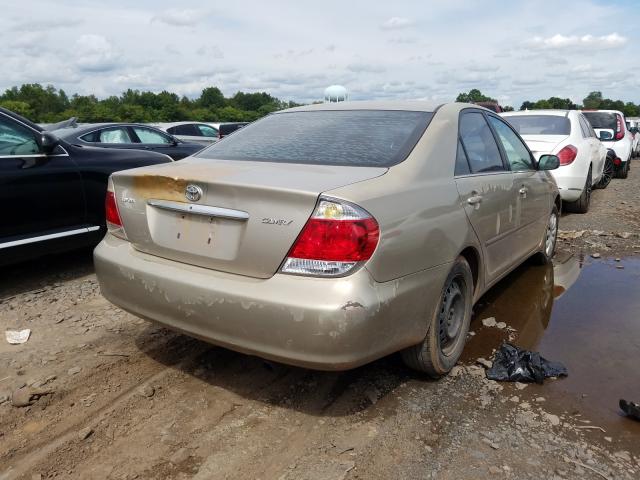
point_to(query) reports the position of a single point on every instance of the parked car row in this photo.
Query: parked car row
(593, 147)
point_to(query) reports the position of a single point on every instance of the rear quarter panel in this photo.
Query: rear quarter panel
(416, 203)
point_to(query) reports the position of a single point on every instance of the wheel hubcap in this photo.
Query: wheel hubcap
(552, 230)
(451, 317)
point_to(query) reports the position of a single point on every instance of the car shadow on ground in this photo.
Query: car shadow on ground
(44, 272)
(317, 393)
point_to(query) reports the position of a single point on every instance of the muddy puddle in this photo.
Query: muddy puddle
(584, 313)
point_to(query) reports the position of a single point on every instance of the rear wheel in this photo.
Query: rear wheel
(449, 326)
(545, 255)
(607, 173)
(582, 204)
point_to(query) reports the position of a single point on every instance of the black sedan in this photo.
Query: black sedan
(52, 193)
(130, 136)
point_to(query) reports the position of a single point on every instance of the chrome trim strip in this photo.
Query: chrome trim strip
(50, 236)
(196, 209)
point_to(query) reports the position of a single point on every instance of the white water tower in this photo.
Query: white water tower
(335, 93)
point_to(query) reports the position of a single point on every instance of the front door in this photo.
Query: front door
(40, 194)
(486, 189)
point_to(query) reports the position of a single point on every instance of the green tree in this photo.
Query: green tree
(474, 95)
(592, 101)
(21, 108)
(211, 97)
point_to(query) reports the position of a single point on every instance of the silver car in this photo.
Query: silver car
(330, 235)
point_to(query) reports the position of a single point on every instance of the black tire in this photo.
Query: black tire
(607, 173)
(582, 204)
(623, 171)
(440, 350)
(545, 255)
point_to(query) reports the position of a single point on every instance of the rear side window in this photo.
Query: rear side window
(370, 138)
(188, 129)
(602, 120)
(206, 130)
(517, 152)
(480, 146)
(462, 165)
(540, 124)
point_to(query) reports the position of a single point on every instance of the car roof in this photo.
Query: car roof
(411, 105)
(175, 124)
(549, 112)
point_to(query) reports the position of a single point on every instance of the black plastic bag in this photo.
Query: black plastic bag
(513, 364)
(631, 409)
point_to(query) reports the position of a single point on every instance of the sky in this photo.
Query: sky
(510, 50)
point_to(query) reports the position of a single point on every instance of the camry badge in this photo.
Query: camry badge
(193, 193)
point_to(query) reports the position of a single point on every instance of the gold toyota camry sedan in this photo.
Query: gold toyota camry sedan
(328, 236)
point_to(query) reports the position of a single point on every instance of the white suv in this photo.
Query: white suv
(611, 128)
(568, 135)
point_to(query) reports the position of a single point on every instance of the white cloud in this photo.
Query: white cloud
(95, 53)
(178, 17)
(590, 42)
(365, 68)
(396, 22)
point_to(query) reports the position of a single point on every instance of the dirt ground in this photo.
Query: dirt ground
(118, 398)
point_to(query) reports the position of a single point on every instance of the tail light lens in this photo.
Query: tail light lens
(338, 237)
(619, 127)
(617, 161)
(114, 222)
(567, 155)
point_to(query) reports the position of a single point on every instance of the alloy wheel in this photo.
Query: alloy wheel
(552, 232)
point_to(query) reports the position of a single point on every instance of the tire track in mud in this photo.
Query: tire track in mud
(23, 462)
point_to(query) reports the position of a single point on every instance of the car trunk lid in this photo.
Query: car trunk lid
(543, 144)
(245, 220)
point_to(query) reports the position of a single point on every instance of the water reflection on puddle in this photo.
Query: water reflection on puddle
(582, 312)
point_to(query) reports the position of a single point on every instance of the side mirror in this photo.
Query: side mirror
(548, 162)
(605, 135)
(47, 142)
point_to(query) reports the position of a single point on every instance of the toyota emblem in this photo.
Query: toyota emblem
(193, 193)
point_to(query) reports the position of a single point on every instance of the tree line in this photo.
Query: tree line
(49, 105)
(593, 101)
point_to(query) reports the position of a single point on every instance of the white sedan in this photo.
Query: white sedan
(568, 135)
(196, 132)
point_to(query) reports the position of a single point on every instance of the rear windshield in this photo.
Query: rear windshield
(371, 138)
(540, 124)
(601, 120)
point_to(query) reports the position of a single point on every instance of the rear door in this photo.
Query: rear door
(486, 188)
(532, 197)
(40, 194)
(594, 145)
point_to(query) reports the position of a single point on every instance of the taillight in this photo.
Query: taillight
(619, 127)
(111, 210)
(617, 161)
(567, 155)
(336, 238)
(112, 215)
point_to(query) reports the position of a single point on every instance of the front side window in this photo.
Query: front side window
(207, 131)
(16, 139)
(517, 152)
(146, 135)
(480, 146)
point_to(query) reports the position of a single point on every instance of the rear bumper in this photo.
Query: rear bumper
(327, 324)
(571, 182)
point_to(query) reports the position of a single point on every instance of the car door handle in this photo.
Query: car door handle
(474, 200)
(523, 191)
